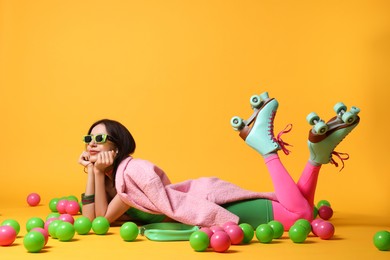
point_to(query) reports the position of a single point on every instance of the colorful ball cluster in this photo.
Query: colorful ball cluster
(220, 238)
(324, 210)
(323, 229)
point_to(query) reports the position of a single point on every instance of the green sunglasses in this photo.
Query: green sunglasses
(99, 138)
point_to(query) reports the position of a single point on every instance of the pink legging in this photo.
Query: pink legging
(294, 200)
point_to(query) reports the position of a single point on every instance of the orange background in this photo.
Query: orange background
(175, 72)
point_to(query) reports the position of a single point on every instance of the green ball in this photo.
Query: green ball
(382, 240)
(100, 226)
(65, 231)
(53, 215)
(34, 222)
(249, 233)
(34, 241)
(297, 233)
(129, 231)
(53, 228)
(83, 225)
(277, 227)
(264, 233)
(315, 212)
(322, 203)
(199, 241)
(53, 204)
(13, 223)
(305, 223)
(72, 198)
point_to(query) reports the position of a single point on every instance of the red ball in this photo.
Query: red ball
(325, 230)
(33, 199)
(315, 224)
(67, 218)
(220, 241)
(325, 212)
(235, 233)
(44, 232)
(216, 228)
(207, 230)
(61, 206)
(7, 235)
(228, 224)
(72, 207)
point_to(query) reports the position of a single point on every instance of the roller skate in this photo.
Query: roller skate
(258, 130)
(324, 137)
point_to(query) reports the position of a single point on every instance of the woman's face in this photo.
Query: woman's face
(93, 148)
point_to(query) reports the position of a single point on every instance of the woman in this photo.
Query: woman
(119, 185)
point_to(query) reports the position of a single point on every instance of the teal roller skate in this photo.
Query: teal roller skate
(324, 137)
(258, 130)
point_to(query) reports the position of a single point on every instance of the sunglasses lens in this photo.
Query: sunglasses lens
(87, 139)
(100, 138)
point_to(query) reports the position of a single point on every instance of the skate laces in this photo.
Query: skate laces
(282, 143)
(342, 156)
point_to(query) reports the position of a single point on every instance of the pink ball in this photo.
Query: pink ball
(33, 199)
(235, 233)
(61, 206)
(7, 235)
(325, 230)
(220, 241)
(315, 224)
(228, 224)
(44, 232)
(216, 228)
(72, 207)
(325, 212)
(207, 230)
(47, 223)
(67, 218)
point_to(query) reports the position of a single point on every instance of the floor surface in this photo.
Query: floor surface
(352, 240)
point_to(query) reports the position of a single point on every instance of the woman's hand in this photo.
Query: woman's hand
(84, 159)
(104, 160)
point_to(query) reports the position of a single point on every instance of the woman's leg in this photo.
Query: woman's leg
(307, 183)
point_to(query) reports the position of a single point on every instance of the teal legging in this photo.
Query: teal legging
(253, 212)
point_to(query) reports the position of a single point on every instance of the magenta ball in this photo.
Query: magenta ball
(33, 199)
(228, 224)
(220, 241)
(315, 224)
(44, 232)
(235, 233)
(47, 223)
(207, 230)
(216, 228)
(7, 235)
(61, 206)
(67, 218)
(325, 230)
(325, 212)
(72, 207)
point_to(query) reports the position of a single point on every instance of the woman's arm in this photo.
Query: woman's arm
(89, 209)
(116, 209)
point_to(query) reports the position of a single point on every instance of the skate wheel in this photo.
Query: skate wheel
(255, 101)
(237, 123)
(340, 107)
(355, 110)
(348, 117)
(320, 128)
(264, 96)
(312, 118)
